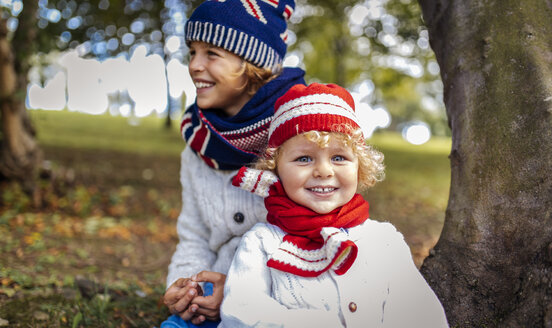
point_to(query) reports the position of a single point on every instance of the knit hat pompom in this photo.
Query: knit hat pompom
(255, 30)
(319, 107)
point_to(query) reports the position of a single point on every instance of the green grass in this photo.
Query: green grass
(104, 132)
(420, 169)
(415, 191)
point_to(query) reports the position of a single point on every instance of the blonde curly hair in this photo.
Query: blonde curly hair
(370, 161)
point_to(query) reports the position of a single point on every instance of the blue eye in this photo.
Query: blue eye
(338, 158)
(303, 159)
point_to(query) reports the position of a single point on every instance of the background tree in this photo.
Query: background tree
(379, 43)
(325, 42)
(492, 266)
(98, 28)
(19, 153)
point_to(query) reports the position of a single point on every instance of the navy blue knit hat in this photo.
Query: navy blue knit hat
(255, 30)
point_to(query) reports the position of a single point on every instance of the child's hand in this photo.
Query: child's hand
(179, 296)
(208, 307)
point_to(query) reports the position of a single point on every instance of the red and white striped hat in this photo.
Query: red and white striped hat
(320, 107)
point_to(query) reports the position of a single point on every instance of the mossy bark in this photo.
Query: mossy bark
(492, 266)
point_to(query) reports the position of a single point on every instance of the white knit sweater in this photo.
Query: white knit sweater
(383, 288)
(214, 216)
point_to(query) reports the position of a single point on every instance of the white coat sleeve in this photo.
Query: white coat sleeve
(248, 298)
(411, 302)
(192, 253)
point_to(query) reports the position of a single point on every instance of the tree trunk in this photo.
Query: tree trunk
(168, 118)
(20, 155)
(492, 266)
(340, 46)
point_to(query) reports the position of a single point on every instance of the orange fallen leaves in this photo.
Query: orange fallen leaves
(32, 238)
(6, 281)
(115, 232)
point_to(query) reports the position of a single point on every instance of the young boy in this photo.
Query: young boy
(320, 261)
(236, 53)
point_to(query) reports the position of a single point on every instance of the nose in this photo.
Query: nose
(323, 169)
(196, 64)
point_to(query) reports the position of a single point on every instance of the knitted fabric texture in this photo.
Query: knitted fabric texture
(314, 243)
(228, 143)
(255, 30)
(320, 107)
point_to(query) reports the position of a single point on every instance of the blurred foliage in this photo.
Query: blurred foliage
(344, 42)
(382, 42)
(83, 235)
(325, 42)
(100, 24)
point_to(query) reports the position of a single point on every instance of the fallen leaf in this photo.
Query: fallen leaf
(8, 291)
(42, 316)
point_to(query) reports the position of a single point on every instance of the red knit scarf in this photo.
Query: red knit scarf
(314, 243)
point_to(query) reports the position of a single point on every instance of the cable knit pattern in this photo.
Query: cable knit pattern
(317, 260)
(206, 227)
(383, 284)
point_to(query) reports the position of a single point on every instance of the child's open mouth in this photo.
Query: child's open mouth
(202, 85)
(322, 190)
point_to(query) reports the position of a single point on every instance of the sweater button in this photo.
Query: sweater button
(352, 307)
(239, 218)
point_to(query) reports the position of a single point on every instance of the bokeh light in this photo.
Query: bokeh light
(417, 133)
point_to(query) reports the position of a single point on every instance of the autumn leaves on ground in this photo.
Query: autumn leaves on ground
(95, 253)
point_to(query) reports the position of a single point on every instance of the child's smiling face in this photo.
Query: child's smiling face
(321, 179)
(217, 78)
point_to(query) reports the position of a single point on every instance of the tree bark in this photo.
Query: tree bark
(19, 154)
(492, 266)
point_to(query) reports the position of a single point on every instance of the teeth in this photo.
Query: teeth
(200, 85)
(323, 190)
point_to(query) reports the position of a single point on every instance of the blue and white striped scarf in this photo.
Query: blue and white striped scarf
(228, 143)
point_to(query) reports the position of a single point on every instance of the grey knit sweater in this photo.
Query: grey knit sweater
(214, 216)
